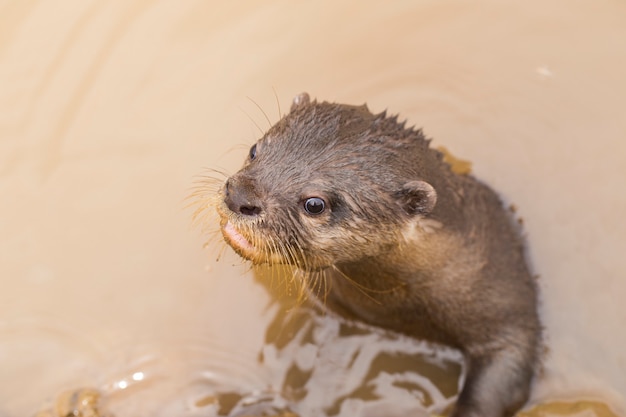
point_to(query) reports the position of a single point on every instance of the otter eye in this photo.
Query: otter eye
(314, 205)
(252, 153)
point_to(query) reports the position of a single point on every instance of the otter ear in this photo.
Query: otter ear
(300, 100)
(417, 197)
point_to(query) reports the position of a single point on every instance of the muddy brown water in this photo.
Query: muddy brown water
(109, 109)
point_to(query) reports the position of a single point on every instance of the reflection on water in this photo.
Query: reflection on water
(83, 402)
(332, 366)
(32, 347)
(311, 364)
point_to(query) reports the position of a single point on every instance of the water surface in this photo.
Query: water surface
(109, 110)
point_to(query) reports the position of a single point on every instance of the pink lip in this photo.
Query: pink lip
(236, 238)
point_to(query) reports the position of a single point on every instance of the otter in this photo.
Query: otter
(386, 232)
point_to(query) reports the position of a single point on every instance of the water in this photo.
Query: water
(309, 364)
(108, 110)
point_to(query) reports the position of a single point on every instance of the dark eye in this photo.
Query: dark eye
(252, 153)
(314, 205)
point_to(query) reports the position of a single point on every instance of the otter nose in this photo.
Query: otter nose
(241, 198)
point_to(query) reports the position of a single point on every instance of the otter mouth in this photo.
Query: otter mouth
(238, 241)
(251, 243)
(241, 237)
(242, 245)
(232, 235)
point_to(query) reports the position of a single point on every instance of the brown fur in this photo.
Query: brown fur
(403, 242)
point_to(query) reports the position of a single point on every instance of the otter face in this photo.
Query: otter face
(328, 184)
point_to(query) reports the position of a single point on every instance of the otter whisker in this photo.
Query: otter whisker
(278, 249)
(320, 284)
(268, 253)
(272, 248)
(262, 111)
(291, 251)
(220, 253)
(293, 281)
(302, 259)
(302, 256)
(221, 171)
(299, 260)
(313, 278)
(206, 185)
(280, 113)
(251, 119)
(204, 196)
(201, 216)
(327, 287)
(364, 290)
(303, 290)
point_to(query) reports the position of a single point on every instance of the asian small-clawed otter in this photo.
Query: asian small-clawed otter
(368, 211)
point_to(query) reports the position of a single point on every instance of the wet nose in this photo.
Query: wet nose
(241, 197)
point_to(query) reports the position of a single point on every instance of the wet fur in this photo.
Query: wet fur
(404, 243)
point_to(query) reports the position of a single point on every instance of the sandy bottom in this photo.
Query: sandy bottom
(108, 110)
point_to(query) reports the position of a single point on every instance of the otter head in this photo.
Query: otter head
(328, 184)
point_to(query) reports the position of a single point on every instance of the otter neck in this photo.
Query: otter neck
(390, 270)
